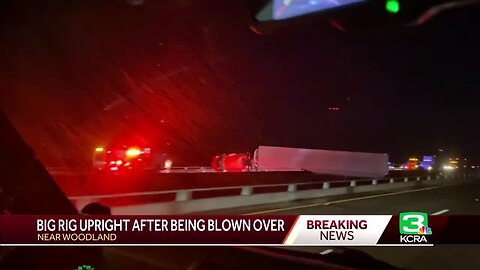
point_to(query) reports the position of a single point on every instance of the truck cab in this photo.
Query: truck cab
(412, 163)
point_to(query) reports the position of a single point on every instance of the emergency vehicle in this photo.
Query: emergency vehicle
(124, 158)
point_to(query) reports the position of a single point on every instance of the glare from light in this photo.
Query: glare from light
(133, 152)
(430, 168)
(392, 6)
(168, 164)
(284, 9)
(99, 149)
(114, 169)
(119, 162)
(448, 167)
(427, 158)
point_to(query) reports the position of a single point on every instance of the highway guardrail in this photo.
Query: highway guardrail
(207, 199)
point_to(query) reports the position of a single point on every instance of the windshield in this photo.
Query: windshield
(164, 103)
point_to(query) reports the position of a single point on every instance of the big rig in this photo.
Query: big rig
(273, 158)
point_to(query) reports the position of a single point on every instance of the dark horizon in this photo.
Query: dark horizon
(197, 81)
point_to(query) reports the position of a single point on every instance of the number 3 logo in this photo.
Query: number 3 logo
(411, 222)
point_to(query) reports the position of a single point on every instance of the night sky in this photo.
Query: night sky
(190, 77)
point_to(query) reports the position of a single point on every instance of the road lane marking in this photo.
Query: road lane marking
(379, 195)
(440, 212)
(284, 209)
(338, 201)
(326, 251)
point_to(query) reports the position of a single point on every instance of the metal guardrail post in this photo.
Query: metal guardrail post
(246, 191)
(326, 185)
(183, 195)
(392, 180)
(353, 183)
(292, 188)
(405, 179)
(438, 177)
(428, 177)
(374, 181)
(418, 178)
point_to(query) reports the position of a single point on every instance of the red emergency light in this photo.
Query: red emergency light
(124, 157)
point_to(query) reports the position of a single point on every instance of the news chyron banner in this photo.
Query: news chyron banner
(408, 228)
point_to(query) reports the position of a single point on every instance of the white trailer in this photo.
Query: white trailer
(343, 163)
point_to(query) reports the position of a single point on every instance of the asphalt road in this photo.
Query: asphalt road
(444, 200)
